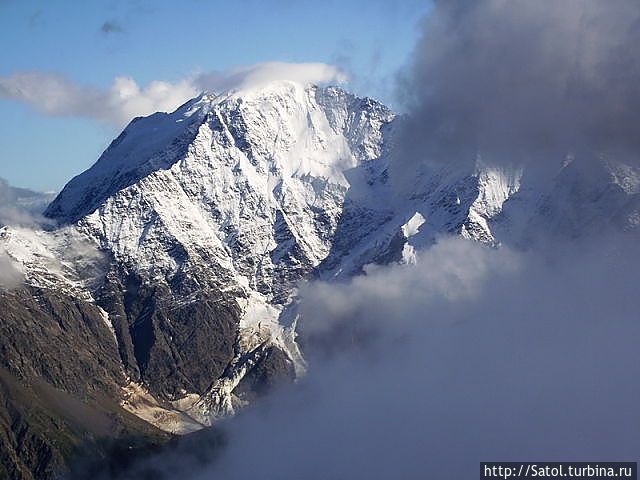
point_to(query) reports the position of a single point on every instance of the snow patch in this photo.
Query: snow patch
(413, 225)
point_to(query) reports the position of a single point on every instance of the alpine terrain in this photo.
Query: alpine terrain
(161, 294)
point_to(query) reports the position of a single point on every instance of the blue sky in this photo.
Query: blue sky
(74, 49)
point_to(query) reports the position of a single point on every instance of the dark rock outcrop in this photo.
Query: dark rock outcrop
(60, 379)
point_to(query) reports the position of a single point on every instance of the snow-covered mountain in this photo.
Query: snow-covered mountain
(190, 234)
(213, 214)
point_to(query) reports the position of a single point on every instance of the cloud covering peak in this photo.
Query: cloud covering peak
(259, 74)
(56, 95)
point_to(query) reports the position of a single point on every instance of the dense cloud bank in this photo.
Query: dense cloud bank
(525, 82)
(476, 354)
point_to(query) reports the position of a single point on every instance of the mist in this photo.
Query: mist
(22, 207)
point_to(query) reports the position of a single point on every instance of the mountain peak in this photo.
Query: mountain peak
(283, 125)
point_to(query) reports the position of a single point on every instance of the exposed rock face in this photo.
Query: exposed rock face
(60, 380)
(275, 368)
(62, 340)
(161, 339)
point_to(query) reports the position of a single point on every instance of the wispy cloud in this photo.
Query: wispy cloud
(56, 95)
(111, 26)
(35, 19)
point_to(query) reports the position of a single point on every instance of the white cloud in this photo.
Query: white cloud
(127, 100)
(56, 95)
(250, 76)
(52, 93)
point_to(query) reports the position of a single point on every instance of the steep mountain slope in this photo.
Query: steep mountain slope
(60, 382)
(190, 234)
(212, 223)
(172, 272)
